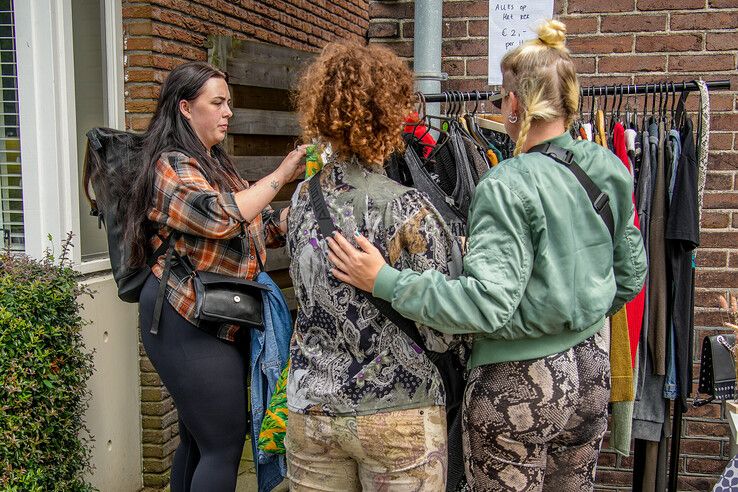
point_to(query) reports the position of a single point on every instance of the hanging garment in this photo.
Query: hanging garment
(703, 143)
(682, 238)
(658, 288)
(673, 152)
(420, 132)
(634, 307)
(643, 199)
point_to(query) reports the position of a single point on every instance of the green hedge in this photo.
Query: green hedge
(44, 368)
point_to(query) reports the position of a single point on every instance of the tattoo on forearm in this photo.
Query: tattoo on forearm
(274, 184)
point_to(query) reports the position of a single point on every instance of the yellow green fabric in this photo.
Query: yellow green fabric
(274, 425)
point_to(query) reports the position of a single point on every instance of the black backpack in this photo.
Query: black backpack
(112, 155)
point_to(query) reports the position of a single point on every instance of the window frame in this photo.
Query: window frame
(46, 97)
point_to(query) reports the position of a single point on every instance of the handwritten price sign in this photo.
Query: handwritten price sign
(511, 23)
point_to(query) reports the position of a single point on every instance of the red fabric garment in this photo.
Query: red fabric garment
(420, 132)
(634, 308)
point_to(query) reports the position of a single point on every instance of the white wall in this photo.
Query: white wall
(114, 416)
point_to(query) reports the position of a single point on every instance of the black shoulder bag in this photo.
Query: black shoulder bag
(218, 298)
(449, 367)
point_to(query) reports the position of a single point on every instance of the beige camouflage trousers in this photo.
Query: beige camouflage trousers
(390, 451)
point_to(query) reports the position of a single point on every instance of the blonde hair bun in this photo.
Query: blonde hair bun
(552, 33)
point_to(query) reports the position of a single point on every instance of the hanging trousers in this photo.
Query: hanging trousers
(537, 424)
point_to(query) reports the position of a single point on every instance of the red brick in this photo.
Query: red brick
(723, 161)
(705, 317)
(712, 429)
(705, 465)
(668, 42)
(721, 182)
(465, 47)
(724, 121)
(606, 460)
(704, 20)
(585, 64)
(476, 8)
(464, 84)
(601, 44)
(478, 66)
(707, 258)
(669, 4)
(715, 279)
(401, 48)
(720, 200)
(633, 23)
(710, 239)
(383, 30)
(708, 299)
(140, 28)
(630, 63)
(479, 28)
(585, 6)
(142, 92)
(691, 63)
(724, 3)
(721, 141)
(722, 41)
(716, 220)
(391, 10)
(580, 25)
(454, 67)
(453, 29)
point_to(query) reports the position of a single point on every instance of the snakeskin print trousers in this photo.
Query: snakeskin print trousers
(537, 424)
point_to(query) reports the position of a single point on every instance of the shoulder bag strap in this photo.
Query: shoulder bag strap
(327, 227)
(600, 200)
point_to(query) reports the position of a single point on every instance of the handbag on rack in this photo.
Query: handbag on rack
(450, 368)
(717, 368)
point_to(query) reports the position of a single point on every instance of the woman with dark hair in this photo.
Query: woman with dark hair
(366, 404)
(189, 186)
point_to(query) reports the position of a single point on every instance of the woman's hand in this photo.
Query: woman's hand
(293, 166)
(358, 267)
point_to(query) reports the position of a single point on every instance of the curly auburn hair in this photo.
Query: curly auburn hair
(356, 98)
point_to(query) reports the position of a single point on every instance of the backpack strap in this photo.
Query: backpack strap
(600, 200)
(167, 246)
(327, 228)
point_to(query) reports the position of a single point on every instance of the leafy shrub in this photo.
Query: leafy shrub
(44, 368)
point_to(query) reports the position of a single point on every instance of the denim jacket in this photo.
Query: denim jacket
(269, 354)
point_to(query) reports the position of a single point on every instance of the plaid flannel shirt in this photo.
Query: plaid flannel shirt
(211, 227)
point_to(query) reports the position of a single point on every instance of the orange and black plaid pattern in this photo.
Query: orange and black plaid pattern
(211, 227)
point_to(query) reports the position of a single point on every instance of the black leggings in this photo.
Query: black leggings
(207, 379)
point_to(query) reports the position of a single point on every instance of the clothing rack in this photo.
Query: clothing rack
(596, 91)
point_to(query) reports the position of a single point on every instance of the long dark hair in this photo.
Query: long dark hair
(168, 131)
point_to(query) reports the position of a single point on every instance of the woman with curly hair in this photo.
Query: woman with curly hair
(541, 273)
(366, 405)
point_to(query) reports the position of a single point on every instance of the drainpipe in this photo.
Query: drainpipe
(427, 49)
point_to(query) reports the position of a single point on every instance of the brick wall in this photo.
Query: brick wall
(161, 34)
(632, 41)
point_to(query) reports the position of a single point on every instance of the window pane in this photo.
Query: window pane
(90, 96)
(11, 190)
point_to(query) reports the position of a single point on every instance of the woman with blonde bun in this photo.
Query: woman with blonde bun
(541, 274)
